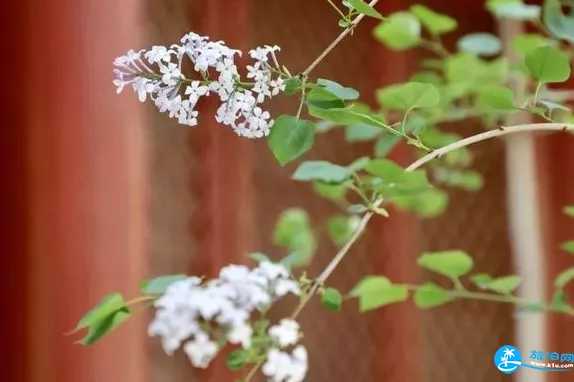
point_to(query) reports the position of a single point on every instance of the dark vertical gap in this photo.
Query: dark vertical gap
(13, 191)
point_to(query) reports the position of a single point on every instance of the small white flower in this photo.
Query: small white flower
(201, 350)
(278, 365)
(240, 334)
(283, 287)
(158, 54)
(171, 74)
(286, 333)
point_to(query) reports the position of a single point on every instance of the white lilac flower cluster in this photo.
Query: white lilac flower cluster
(190, 309)
(158, 74)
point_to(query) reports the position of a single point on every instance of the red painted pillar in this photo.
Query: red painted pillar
(222, 176)
(556, 166)
(86, 168)
(395, 246)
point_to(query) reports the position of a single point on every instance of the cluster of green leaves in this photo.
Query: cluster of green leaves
(113, 310)
(376, 291)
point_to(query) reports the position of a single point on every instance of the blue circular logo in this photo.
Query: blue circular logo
(508, 359)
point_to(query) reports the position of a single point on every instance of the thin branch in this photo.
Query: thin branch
(336, 42)
(341, 14)
(334, 263)
(503, 130)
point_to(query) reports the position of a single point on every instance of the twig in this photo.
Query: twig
(336, 42)
(334, 263)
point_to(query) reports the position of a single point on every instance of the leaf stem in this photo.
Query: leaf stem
(337, 9)
(336, 42)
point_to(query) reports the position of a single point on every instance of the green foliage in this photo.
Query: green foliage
(290, 138)
(333, 192)
(332, 299)
(569, 211)
(504, 285)
(377, 291)
(436, 23)
(409, 96)
(430, 295)
(525, 43)
(341, 227)
(237, 359)
(559, 24)
(568, 246)
(481, 44)
(366, 9)
(497, 98)
(159, 285)
(258, 257)
(400, 31)
(361, 132)
(514, 10)
(547, 64)
(102, 319)
(452, 264)
(338, 90)
(321, 171)
(564, 278)
(293, 231)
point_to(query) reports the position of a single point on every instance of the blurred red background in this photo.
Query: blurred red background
(101, 192)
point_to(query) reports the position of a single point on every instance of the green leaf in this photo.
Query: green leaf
(365, 9)
(392, 173)
(505, 285)
(436, 23)
(321, 171)
(333, 192)
(547, 64)
(377, 291)
(332, 299)
(556, 21)
(105, 325)
(452, 264)
(525, 43)
(481, 280)
(348, 115)
(431, 295)
(361, 133)
(108, 305)
(560, 301)
(258, 257)
(400, 31)
(359, 164)
(569, 211)
(564, 278)
(292, 85)
(339, 90)
(295, 259)
(467, 180)
(385, 144)
(357, 209)
(341, 228)
(290, 138)
(408, 96)
(237, 359)
(516, 11)
(293, 231)
(322, 98)
(160, 284)
(429, 204)
(497, 98)
(481, 44)
(568, 246)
